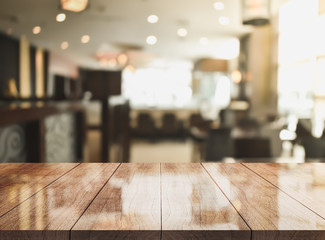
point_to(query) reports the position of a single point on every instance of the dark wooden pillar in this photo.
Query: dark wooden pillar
(105, 131)
(80, 134)
(35, 144)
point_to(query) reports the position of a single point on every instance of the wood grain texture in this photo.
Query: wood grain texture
(270, 213)
(193, 207)
(128, 207)
(303, 182)
(19, 181)
(51, 213)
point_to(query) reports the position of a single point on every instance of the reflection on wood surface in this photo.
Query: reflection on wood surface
(162, 201)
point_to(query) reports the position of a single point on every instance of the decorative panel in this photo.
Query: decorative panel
(60, 140)
(12, 144)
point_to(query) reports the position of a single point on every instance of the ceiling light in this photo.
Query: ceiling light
(224, 20)
(204, 40)
(112, 63)
(74, 5)
(85, 39)
(103, 62)
(64, 45)
(219, 6)
(122, 59)
(182, 32)
(151, 40)
(236, 76)
(256, 13)
(60, 17)
(37, 29)
(152, 19)
(130, 68)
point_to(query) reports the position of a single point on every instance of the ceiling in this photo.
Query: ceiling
(121, 26)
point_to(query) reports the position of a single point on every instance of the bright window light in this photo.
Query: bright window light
(149, 87)
(228, 50)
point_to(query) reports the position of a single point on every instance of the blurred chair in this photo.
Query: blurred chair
(198, 131)
(171, 127)
(230, 118)
(218, 144)
(304, 129)
(314, 147)
(246, 127)
(145, 126)
(196, 120)
(256, 147)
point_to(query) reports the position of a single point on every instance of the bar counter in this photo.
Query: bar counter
(51, 125)
(279, 201)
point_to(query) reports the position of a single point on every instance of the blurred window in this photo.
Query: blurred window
(158, 87)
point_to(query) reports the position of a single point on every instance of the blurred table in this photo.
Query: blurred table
(162, 201)
(274, 160)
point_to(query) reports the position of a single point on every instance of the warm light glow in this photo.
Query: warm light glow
(122, 59)
(64, 45)
(236, 76)
(239, 105)
(224, 20)
(130, 68)
(74, 5)
(218, 5)
(37, 30)
(85, 39)
(103, 62)
(24, 68)
(182, 32)
(256, 12)
(152, 19)
(204, 41)
(60, 17)
(112, 63)
(39, 73)
(151, 40)
(9, 31)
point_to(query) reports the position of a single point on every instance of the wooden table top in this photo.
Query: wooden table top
(272, 201)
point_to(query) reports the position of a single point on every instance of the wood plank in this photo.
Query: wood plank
(303, 182)
(193, 207)
(51, 213)
(19, 181)
(270, 213)
(128, 207)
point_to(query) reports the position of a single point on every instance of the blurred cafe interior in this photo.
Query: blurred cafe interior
(162, 81)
